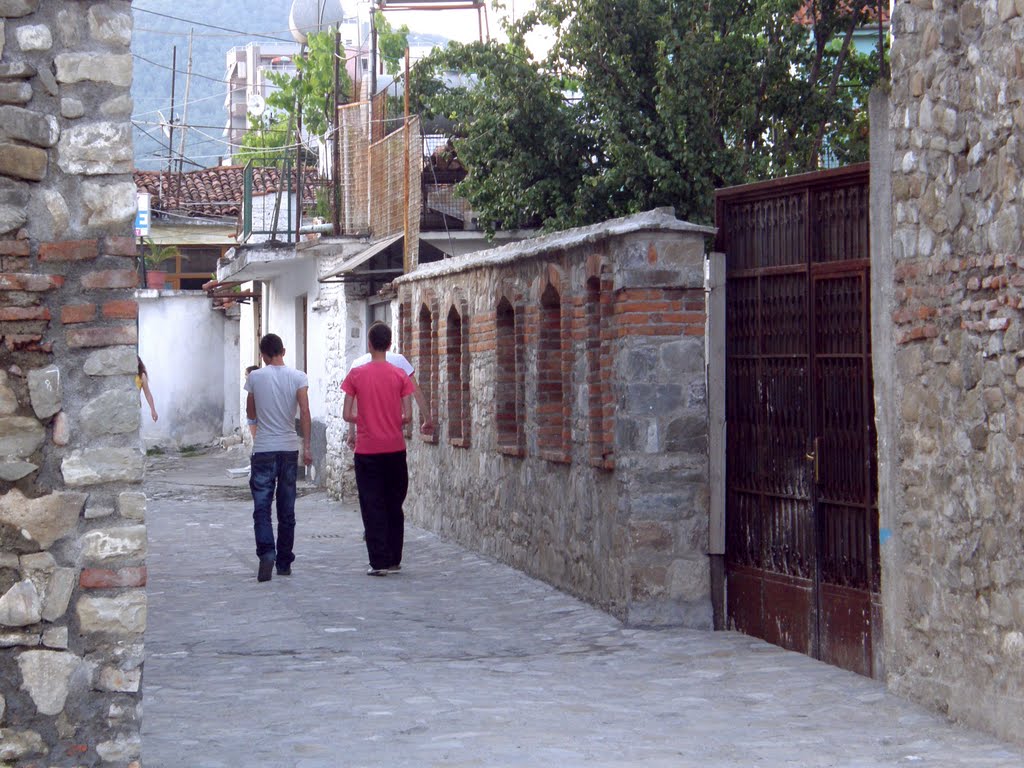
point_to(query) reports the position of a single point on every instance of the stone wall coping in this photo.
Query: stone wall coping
(656, 219)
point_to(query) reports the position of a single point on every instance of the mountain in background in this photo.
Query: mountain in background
(162, 25)
(154, 39)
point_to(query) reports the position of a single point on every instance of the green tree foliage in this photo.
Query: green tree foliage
(265, 141)
(312, 89)
(391, 43)
(646, 103)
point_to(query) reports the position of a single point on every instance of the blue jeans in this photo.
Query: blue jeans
(267, 471)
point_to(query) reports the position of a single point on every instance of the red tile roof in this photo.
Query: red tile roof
(212, 192)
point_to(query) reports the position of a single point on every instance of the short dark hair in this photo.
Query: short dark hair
(251, 368)
(271, 345)
(379, 337)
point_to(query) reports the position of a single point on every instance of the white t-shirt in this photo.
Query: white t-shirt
(275, 387)
(394, 358)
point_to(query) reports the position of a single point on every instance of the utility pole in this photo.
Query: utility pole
(184, 111)
(170, 127)
(405, 217)
(336, 147)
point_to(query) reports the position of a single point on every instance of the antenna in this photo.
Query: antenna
(165, 124)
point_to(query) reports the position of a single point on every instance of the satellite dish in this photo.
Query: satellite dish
(308, 16)
(256, 104)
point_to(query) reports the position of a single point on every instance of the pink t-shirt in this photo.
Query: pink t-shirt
(378, 388)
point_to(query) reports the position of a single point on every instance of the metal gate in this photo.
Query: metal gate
(801, 520)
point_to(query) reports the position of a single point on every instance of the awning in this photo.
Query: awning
(346, 270)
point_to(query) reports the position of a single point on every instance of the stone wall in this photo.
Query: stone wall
(567, 379)
(72, 532)
(951, 428)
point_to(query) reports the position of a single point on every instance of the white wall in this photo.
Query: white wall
(186, 346)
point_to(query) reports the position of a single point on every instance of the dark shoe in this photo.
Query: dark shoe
(394, 568)
(284, 571)
(266, 570)
(371, 571)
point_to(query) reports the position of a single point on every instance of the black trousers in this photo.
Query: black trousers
(383, 481)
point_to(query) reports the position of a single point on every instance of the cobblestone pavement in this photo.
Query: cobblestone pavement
(460, 661)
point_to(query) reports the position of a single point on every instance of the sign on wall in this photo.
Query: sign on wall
(142, 214)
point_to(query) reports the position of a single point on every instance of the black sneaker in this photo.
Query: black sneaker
(371, 571)
(394, 568)
(284, 571)
(266, 570)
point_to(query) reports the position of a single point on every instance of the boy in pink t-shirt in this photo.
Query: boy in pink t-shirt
(383, 394)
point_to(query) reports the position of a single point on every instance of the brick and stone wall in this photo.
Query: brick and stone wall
(566, 375)
(948, 355)
(72, 531)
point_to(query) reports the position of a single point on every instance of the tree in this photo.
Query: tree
(515, 130)
(272, 134)
(391, 43)
(671, 100)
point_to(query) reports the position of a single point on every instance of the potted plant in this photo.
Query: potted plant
(154, 256)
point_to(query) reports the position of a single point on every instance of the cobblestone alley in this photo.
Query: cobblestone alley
(459, 661)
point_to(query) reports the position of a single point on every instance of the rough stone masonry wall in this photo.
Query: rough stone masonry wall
(598, 482)
(951, 459)
(72, 533)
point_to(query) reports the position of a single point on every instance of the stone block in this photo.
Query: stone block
(15, 93)
(20, 606)
(59, 589)
(124, 615)
(119, 680)
(17, 744)
(115, 69)
(114, 543)
(44, 387)
(15, 470)
(15, 9)
(110, 26)
(22, 162)
(27, 125)
(43, 520)
(8, 399)
(19, 639)
(61, 429)
(120, 749)
(109, 205)
(113, 412)
(20, 436)
(34, 37)
(103, 465)
(56, 637)
(46, 676)
(94, 149)
(71, 108)
(132, 505)
(112, 361)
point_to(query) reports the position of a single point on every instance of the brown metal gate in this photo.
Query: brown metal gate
(801, 521)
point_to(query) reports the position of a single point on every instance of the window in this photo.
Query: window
(550, 389)
(508, 387)
(598, 364)
(426, 370)
(457, 359)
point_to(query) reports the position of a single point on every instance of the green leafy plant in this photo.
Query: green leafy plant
(155, 254)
